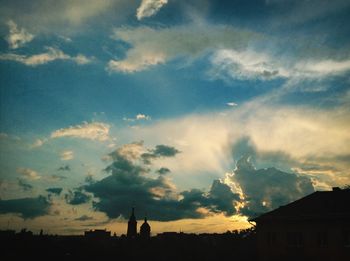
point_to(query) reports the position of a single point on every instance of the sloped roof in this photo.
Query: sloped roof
(318, 205)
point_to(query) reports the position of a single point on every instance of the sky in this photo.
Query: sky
(201, 114)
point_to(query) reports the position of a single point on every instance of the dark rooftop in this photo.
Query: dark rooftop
(318, 205)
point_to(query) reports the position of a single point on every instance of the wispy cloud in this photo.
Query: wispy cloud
(149, 8)
(245, 65)
(28, 173)
(322, 68)
(151, 46)
(305, 74)
(17, 37)
(50, 55)
(38, 143)
(94, 131)
(65, 16)
(67, 155)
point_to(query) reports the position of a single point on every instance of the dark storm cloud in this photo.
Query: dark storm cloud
(118, 192)
(25, 186)
(56, 191)
(163, 171)
(267, 189)
(131, 183)
(158, 152)
(219, 199)
(269, 74)
(77, 197)
(26, 207)
(222, 198)
(165, 151)
(64, 168)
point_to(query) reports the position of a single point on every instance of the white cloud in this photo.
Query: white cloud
(245, 65)
(149, 8)
(152, 46)
(28, 173)
(67, 155)
(93, 131)
(138, 117)
(141, 116)
(17, 37)
(304, 74)
(316, 68)
(232, 104)
(52, 54)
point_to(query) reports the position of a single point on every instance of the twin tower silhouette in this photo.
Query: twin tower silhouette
(145, 229)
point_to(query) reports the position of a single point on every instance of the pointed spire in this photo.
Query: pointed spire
(132, 225)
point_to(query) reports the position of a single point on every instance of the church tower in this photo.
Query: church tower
(145, 230)
(132, 225)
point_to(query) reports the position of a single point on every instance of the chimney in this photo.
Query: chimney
(336, 189)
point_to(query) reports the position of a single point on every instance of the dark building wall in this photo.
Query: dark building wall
(303, 240)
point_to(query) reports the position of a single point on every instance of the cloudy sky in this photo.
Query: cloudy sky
(199, 113)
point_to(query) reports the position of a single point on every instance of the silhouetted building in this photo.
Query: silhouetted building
(132, 225)
(25, 233)
(145, 230)
(7, 233)
(98, 234)
(316, 227)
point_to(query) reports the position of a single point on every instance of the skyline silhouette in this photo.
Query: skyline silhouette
(315, 227)
(202, 115)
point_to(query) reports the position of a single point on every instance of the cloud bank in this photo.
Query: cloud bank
(26, 207)
(133, 181)
(267, 189)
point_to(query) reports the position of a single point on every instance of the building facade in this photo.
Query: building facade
(316, 227)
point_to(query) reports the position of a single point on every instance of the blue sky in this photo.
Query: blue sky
(211, 92)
